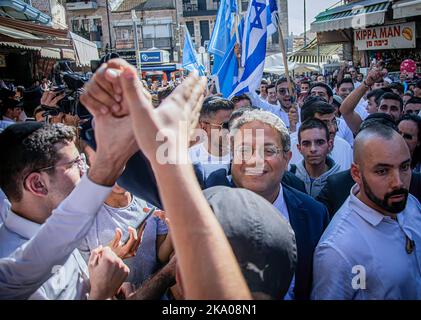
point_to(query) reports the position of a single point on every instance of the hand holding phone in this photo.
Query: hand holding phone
(128, 247)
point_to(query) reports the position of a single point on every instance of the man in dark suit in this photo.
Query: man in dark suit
(338, 187)
(260, 171)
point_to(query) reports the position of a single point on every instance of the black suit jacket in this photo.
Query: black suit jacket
(308, 218)
(338, 186)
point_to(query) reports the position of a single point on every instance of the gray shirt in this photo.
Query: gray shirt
(145, 263)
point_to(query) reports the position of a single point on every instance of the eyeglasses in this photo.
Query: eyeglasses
(267, 152)
(223, 125)
(80, 161)
(333, 122)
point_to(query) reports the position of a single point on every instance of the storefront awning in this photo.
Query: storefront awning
(18, 9)
(85, 50)
(51, 53)
(313, 55)
(17, 34)
(406, 8)
(18, 46)
(356, 15)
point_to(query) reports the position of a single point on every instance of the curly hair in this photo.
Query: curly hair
(35, 151)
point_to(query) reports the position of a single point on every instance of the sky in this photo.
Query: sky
(296, 13)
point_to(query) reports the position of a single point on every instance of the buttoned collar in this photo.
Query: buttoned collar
(21, 226)
(364, 211)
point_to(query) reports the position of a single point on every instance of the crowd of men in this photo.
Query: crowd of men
(305, 189)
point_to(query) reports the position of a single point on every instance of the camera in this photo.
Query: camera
(71, 83)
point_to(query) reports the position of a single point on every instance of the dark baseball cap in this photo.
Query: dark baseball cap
(262, 240)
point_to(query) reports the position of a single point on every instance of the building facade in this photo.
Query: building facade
(370, 30)
(89, 19)
(156, 22)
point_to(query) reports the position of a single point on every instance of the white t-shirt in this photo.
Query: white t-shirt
(342, 152)
(209, 163)
(344, 132)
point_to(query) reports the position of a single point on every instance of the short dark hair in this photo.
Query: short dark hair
(280, 81)
(313, 124)
(325, 86)
(414, 100)
(263, 81)
(345, 80)
(390, 96)
(309, 111)
(398, 86)
(378, 118)
(306, 82)
(270, 86)
(416, 157)
(240, 97)
(418, 84)
(377, 93)
(213, 104)
(24, 151)
(238, 113)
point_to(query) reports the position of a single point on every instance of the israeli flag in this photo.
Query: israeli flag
(226, 78)
(222, 33)
(260, 22)
(190, 60)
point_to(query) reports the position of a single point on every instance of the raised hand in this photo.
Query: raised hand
(173, 120)
(376, 74)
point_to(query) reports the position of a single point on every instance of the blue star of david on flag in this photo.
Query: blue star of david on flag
(259, 8)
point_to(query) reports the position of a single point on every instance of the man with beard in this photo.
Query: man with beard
(368, 251)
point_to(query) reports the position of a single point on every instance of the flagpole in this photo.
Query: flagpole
(283, 51)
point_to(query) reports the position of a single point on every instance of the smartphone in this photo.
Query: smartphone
(141, 224)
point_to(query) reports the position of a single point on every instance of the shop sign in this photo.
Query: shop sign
(396, 36)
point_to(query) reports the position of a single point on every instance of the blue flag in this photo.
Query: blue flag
(190, 60)
(227, 75)
(260, 22)
(222, 33)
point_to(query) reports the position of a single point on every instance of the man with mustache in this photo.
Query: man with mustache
(369, 249)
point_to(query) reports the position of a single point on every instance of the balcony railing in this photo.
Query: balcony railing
(81, 5)
(192, 10)
(161, 43)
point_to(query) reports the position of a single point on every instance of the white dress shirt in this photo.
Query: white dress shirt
(32, 264)
(208, 162)
(68, 282)
(266, 106)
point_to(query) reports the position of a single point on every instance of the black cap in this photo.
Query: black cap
(14, 134)
(262, 240)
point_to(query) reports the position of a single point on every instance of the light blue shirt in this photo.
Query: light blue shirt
(362, 254)
(32, 264)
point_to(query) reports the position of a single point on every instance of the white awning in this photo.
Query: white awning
(355, 15)
(51, 53)
(17, 34)
(406, 8)
(85, 50)
(19, 46)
